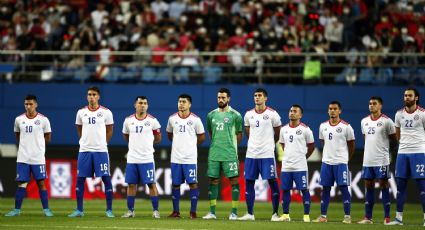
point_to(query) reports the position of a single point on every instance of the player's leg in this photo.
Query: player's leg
(327, 180)
(213, 173)
(102, 168)
(268, 172)
(176, 179)
(386, 198)
(39, 173)
(417, 167)
(343, 181)
(132, 179)
(231, 171)
(402, 169)
(22, 177)
(251, 172)
(191, 177)
(421, 187)
(147, 174)
(84, 169)
(286, 182)
(301, 182)
(153, 193)
(368, 176)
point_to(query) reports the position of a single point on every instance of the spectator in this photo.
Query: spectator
(159, 7)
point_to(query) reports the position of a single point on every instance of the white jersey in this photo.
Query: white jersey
(185, 136)
(377, 142)
(261, 126)
(32, 145)
(93, 137)
(412, 130)
(335, 137)
(141, 136)
(295, 140)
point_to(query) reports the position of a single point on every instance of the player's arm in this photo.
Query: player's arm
(276, 133)
(310, 149)
(170, 136)
(18, 137)
(126, 137)
(157, 137)
(239, 137)
(109, 131)
(47, 138)
(397, 134)
(200, 138)
(79, 130)
(247, 131)
(393, 143)
(351, 147)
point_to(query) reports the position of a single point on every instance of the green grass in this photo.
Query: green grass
(33, 218)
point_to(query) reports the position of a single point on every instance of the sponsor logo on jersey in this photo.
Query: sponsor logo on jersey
(339, 130)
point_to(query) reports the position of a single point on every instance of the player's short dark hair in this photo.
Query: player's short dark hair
(225, 90)
(298, 106)
(415, 91)
(261, 90)
(141, 98)
(94, 88)
(376, 98)
(31, 97)
(336, 103)
(186, 96)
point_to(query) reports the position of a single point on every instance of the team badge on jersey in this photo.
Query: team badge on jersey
(416, 117)
(226, 119)
(37, 122)
(147, 123)
(299, 132)
(380, 124)
(99, 114)
(339, 130)
(266, 117)
(190, 123)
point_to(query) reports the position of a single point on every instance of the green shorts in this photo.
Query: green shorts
(230, 168)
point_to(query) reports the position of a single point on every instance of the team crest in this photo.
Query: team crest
(147, 123)
(37, 122)
(266, 117)
(367, 124)
(299, 132)
(416, 117)
(99, 114)
(226, 119)
(379, 124)
(339, 130)
(190, 123)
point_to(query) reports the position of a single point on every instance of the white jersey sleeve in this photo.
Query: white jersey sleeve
(32, 145)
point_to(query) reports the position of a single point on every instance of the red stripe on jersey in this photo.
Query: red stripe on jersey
(376, 118)
(400, 110)
(31, 117)
(326, 122)
(131, 115)
(344, 122)
(270, 109)
(103, 107)
(142, 118)
(151, 116)
(421, 109)
(194, 115)
(92, 110)
(302, 124)
(156, 131)
(184, 117)
(22, 115)
(41, 115)
(385, 116)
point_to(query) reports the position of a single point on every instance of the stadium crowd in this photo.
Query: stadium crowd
(238, 28)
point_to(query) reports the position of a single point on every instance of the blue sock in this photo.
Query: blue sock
(286, 200)
(250, 196)
(130, 202)
(155, 203)
(44, 197)
(326, 196)
(79, 191)
(275, 195)
(421, 186)
(386, 201)
(370, 201)
(20, 194)
(108, 191)
(194, 196)
(401, 193)
(175, 195)
(306, 201)
(346, 198)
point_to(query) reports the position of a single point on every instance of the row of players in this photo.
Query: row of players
(225, 126)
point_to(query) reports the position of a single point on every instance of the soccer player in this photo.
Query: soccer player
(224, 126)
(409, 126)
(33, 133)
(141, 130)
(94, 128)
(262, 126)
(297, 142)
(186, 131)
(379, 132)
(337, 137)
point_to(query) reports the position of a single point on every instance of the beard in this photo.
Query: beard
(409, 103)
(222, 105)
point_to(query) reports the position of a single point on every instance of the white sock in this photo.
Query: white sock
(399, 216)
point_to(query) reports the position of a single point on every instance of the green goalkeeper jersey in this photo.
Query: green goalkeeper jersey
(224, 126)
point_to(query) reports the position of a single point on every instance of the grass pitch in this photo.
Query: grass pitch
(32, 216)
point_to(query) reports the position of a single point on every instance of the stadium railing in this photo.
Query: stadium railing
(213, 67)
